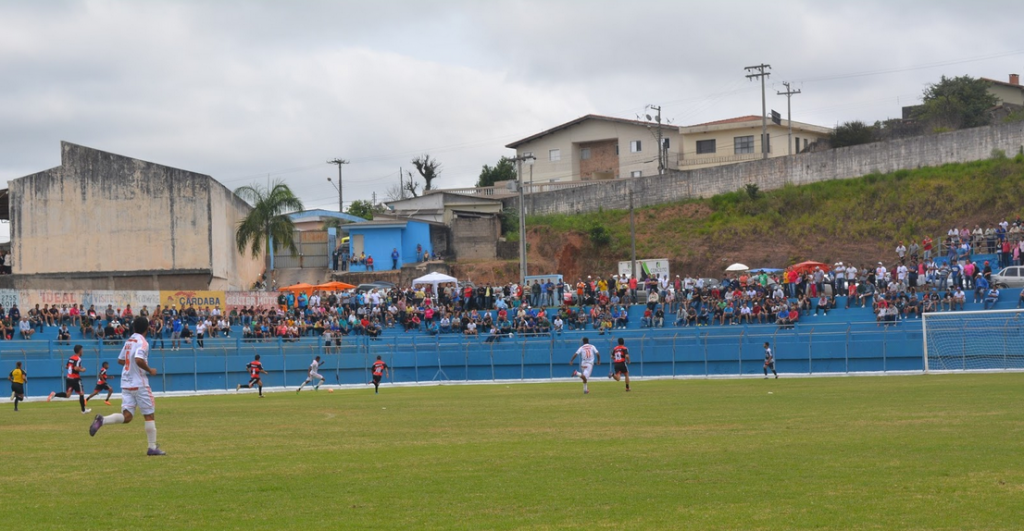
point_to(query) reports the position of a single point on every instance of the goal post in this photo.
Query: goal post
(973, 341)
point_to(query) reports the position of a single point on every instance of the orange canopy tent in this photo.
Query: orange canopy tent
(334, 286)
(301, 287)
(808, 267)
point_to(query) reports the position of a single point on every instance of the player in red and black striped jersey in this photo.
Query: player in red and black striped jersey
(73, 370)
(102, 385)
(379, 369)
(620, 362)
(255, 368)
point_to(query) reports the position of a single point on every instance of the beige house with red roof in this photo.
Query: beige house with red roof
(594, 147)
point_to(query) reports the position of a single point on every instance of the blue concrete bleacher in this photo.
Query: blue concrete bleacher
(844, 340)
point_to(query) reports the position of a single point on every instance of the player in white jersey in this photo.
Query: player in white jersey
(589, 356)
(313, 374)
(135, 390)
(769, 361)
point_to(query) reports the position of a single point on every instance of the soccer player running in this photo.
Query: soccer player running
(73, 370)
(255, 368)
(17, 377)
(102, 385)
(589, 356)
(135, 391)
(769, 361)
(313, 374)
(620, 362)
(379, 369)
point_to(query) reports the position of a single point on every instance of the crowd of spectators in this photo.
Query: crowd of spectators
(916, 281)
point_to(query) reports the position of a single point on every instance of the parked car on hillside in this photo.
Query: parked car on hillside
(1010, 277)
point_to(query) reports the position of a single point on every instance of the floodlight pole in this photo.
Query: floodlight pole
(522, 219)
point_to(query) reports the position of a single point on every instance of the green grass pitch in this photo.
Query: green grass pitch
(915, 452)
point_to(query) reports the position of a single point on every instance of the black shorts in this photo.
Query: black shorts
(74, 384)
(254, 380)
(17, 388)
(376, 378)
(102, 387)
(621, 367)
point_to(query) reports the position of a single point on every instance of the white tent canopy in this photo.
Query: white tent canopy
(737, 267)
(433, 279)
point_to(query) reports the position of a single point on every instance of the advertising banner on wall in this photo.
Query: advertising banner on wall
(238, 299)
(30, 297)
(9, 297)
(199, 299)
(119, 299)
(649, 268)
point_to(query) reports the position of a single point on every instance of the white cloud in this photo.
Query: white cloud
(242, 89)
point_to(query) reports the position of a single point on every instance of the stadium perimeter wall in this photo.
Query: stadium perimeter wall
(670, 352)
(844, 163)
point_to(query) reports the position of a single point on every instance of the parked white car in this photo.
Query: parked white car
(1009, 277)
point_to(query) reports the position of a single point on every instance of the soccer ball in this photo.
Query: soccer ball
(330, 390)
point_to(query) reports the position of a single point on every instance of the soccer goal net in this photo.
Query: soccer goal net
(980, 340)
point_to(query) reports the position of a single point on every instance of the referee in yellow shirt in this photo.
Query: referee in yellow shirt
(17, 378)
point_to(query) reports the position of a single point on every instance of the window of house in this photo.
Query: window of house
(634, 146)
(555, 155)
(664, 144)
(705, 146)
(584, 153)
(637, 173)
(743, 144)
(805, 143)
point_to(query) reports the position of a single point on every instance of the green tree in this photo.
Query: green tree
(267, 219)
(361, 208)
(504, 170)
(957, 103)
(851, 134)
(429, 169)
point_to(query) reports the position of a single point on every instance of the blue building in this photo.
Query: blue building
(378, 239)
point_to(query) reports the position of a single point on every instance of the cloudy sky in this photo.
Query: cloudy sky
(245, 89)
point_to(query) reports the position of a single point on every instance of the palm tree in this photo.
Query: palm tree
(268, 219)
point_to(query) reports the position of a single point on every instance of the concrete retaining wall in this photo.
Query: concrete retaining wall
(844, 163)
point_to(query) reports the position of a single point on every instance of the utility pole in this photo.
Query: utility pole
(522, 219)
(662, 161)
(401, 184)
(339, 163)
(374, 203)
(632, 233)
(789, 111)
(762, 72)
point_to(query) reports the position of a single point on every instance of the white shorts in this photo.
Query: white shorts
(586, 370)
(314, 376)
(141, 398)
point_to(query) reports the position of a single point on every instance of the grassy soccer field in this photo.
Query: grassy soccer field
(919, 452)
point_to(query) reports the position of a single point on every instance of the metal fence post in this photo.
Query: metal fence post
(810, 350)
(847, 349)
(643, 339)
(674, 337)
(739, 356)
(706, 372)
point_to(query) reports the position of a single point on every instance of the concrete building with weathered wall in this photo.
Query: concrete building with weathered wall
(106, 221)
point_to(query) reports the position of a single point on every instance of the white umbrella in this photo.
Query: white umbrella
(737, 267)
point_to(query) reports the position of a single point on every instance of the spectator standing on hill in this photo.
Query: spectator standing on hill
(914, 250)
(901, 252)
(926, 246)
(394, 258)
